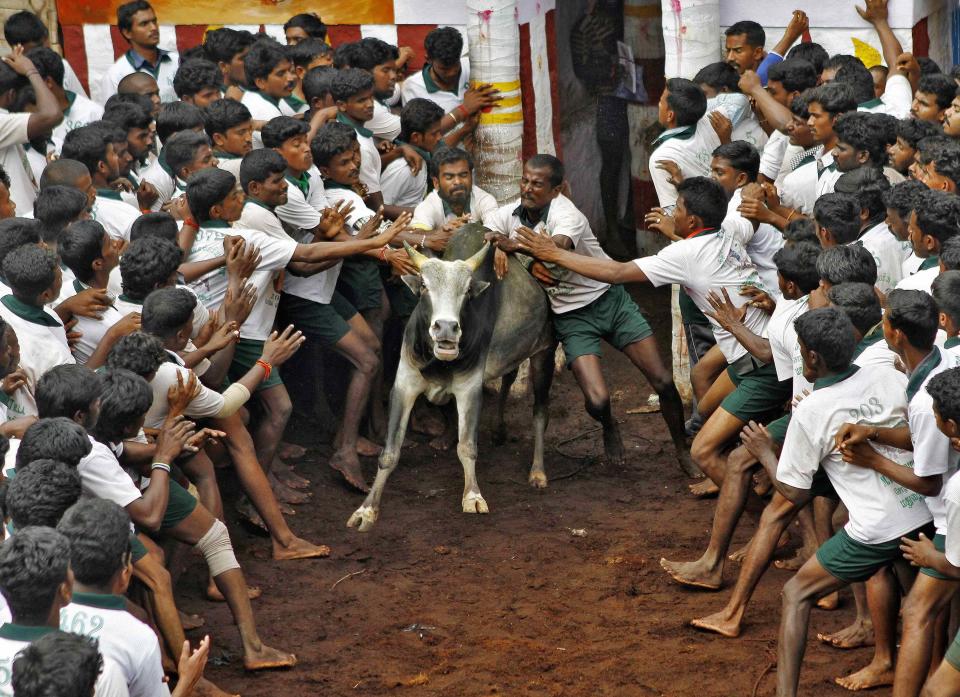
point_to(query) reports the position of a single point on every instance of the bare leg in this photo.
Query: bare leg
(809, 546)
(706, 371)
(276, 407)
(928, 597)
(720, 388)
(541, 373)
(156, 578)
(860, 632)
(707, 446)
(945, 682)
(376, 318)
(586, 369)
(199, 470)
(883, 598)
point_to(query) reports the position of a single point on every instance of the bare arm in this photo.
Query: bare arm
(48, 114)
(773, 111)
(876, 13)
(543, 247)
(865, 455)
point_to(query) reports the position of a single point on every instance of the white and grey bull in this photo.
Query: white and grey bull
(468, 327)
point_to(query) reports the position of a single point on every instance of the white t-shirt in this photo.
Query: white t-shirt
(79, 112)
(263, 108)
(256, 216)
(122, 638)
(761, 243)
(124, 65)
(229, 163)
(420, 84)
(951, 501)
(873, 351)
(92, 331)
(749, 130)
(370, 163)
(116, 215)
(887, 253)
(827, 174)
(799, 189)
(431, 214)
(102, 476)
(207, 403)
(921, 280)
(911, 262)
(400, 186)
(70, 80)
(783, 342)
(384, 124)
(896, 100)
(159, 174)
(572, 290)
(302, 209)
(13, 159)
(932, 453)
(880, 510)
(710, 261)
(771, 158)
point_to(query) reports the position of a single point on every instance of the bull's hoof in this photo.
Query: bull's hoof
(363, 518)
(538, 480)
(474, 503)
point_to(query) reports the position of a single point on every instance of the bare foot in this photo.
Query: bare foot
(286, 474)
(427, 422)
(857, 635)
(705, 488)
(613, 446)
(445, 441)
(718, 623)
(739, 554)
(695, 574)
(285, 494)
(796, 561)
(367, 448)
(298, 548)
(246, 510)
(190, 621)
(267, 658)
(214, 594)
(829, 602)
(874, 675)
(348, 465)
(205, 688)
(290, 451)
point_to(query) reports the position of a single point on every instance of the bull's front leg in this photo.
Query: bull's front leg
(469, 397)
(408, 386)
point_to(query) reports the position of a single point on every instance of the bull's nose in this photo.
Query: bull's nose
(446, 327)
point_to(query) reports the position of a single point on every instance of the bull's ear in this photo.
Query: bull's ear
(477, 287)
(414, 282)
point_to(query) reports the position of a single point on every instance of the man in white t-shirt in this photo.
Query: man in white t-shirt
(77, 109)
(934, 220)
(139, 25)
(421, 129)
(445, 76)
(352, 89)
(26, 29)
(825, 105)
(585, 310)
(880, 511)
(270, 71)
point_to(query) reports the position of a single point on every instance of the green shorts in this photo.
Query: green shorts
(613, 317)
(852, 561)
(778, 429)
(940, 542)
(179, 507)
(953, 653)
(360, 283)
(758, 393)
(822, 486)
(245, 356)
(138, 549)
(324, 323)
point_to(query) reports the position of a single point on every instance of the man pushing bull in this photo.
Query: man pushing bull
(584, 310)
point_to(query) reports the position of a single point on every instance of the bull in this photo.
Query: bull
(468, 327)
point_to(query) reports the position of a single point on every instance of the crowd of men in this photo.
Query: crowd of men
(165, 253)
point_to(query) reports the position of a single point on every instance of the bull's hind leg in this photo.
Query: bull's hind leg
(500, 431)
(408, 386)
(469, 400)
(541, 371)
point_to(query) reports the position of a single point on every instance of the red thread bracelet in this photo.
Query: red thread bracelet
(382, 254)
(267, 368)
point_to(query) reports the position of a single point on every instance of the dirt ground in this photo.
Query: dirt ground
(512, 603)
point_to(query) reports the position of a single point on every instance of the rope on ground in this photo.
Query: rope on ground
(355, 573)
(756, 685)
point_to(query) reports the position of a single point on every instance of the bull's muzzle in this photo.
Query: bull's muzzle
(446, 339)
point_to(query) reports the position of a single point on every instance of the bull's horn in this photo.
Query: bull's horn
(416, 257)
(477, 259)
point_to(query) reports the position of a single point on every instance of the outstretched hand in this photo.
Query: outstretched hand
(537, 244)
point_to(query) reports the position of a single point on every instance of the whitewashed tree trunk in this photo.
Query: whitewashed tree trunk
(691, 35)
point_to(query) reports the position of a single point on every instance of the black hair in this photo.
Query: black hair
(175, 117)
(148, 263)
(207, 188)
(126, 397)
(418, 116)
(127, 115)
(753, 31)
(196, 74)
(111, 132)
(705, 199)
(224, 114)
(946, 293)
(310, 22)
(938, 214)
(742, 156)
(33, 564)
(928, 66)
(686, 100)
(81, 246)
(912, 131)
(126, 12)
(795, 74)
(840, 214)
(17, 232)
(945, 155)
(225, 43)
(721, 76)
(48, 63)
(330, 141)
(914, 313)
(258, 165)
(543, 160)
(855, 74)
(868, 185)
(859, 302)
(904, 197)
(58, 663)
(303, 53)
(41, 493)
(942, 87)
(280, 129)
(10, 79)
(857, 130)
(25, 28)
(838, 60)
(950, 254)
(830, 333)
(944, 387)
(885, 126)
(4, 178)
(139, 352)
(193, 53)
(446, 156)
(166, 310)
(317, 82)
(800, 105)
(158, 224)
(56, 207)
(835, 97)
(261, 60)
(65, 390)
(810, 51)
(87, 145)
(350, 81)
(379, 50)
(144, 101)
(847, 263)
(29, 271)
(99, 535)
(798, 263)
(444, 44)
(800, 230)
(182, 148)
(351, 55)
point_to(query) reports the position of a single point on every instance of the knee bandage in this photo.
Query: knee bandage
(217, 549)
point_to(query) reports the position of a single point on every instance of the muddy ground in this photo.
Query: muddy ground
(511, 603)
